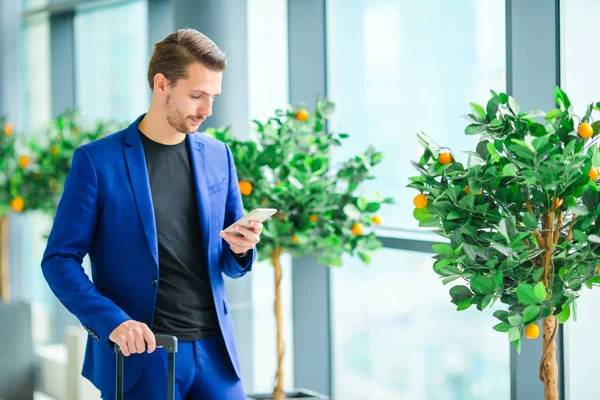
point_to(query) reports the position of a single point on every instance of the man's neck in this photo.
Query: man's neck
(155, 126)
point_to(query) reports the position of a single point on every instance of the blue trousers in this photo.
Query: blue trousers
(203, 371)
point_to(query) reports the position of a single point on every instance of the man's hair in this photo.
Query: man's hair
(179, 50)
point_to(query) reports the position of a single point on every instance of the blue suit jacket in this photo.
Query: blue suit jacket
(106, 211)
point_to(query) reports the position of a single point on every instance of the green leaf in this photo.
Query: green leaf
(420, 214)
(498, 279)
(537, 275)
(362, 203)
(467, 202)
(450, 278)
(481, 284)
(478, 110)
(443, 248)
(579, 210)
(352, 211)
(502, 327)
(553, 113)
(502, 315)
(460, 292)
(564, 315)
(514, 105)
(475, 129)
(526, 294)
(364, 257)
(514, 334)
(531, 313)
(509, 170)
(464, 304)
(515, 319)
(540, 291)
(530, 220)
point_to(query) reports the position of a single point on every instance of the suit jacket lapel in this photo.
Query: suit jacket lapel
(198, 157)
(138, 173)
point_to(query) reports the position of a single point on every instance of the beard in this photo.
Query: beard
(177, 120)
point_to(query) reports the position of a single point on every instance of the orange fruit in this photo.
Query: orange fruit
(302, 115)
(598, 269)
(585, 130)
(593, 174)
(313, 218)
(445, 158)
(468, 190)
(420, 201)
(357, 229)
(17, 204)
(532, 331)
(8, 129)
(75, 131)
(54, 150)
(294, 239)
(24, 161)
(376, 219)
(245, 188)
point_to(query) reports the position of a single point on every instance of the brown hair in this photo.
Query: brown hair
(176, 52)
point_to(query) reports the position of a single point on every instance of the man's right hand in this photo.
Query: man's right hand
(131, 337)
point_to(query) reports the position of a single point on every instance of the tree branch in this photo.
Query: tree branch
(536, 231)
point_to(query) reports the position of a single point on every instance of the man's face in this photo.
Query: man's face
(190, 101)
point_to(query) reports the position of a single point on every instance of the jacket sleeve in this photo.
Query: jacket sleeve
(234, 210)
(69, 242)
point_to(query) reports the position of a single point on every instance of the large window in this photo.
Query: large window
(577, 79)
(111, 58)
(397, 336)
(396, 68)
(268, 90)
(30, 228)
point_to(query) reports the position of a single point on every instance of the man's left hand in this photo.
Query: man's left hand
(247, 238)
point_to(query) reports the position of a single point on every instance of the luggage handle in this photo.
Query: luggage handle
(169, 343)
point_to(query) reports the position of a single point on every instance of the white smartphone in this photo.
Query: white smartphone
(258, 214)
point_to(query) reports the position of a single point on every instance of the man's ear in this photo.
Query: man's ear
(160, 83)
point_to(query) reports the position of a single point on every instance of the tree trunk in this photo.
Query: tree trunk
(4, 287)
(549, 366)
(278, 392)
(548, 371)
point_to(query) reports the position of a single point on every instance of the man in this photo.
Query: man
(149, 204)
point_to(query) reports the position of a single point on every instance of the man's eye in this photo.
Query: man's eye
(195, 97)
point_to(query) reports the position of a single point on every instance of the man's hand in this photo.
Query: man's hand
(131, 337)
(247, 239)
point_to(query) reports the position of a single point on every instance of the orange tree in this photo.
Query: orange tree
(522, 217)
(32, 174)
(8, 164)
(44, 163)
(323, 210)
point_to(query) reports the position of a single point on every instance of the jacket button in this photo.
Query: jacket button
(154, 282)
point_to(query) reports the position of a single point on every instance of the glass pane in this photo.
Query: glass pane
(397, 336)
(111, 58)
(578, 82)
(29, 228)
(396, 68)
(268, 90)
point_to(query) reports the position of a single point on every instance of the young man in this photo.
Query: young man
(148, 204)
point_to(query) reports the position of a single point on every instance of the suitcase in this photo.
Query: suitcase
(169, 343)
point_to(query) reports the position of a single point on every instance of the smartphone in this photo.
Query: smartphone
(258, 214)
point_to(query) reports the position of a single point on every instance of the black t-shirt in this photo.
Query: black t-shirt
(184, 303)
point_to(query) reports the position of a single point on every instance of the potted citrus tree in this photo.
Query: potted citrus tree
(323, 209)
(521, 216)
